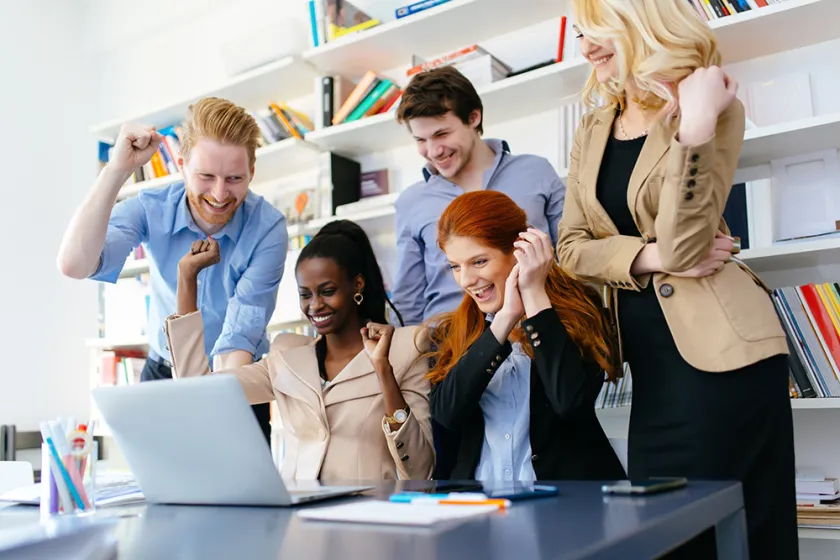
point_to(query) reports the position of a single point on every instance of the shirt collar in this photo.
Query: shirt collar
(232, 229)
(498, 146)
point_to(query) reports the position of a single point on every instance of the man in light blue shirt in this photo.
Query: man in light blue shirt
(444, 114)
(236, 297)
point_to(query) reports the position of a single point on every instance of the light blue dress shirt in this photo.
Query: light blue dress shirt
(236, 296)
(506, 407)
(424, 285)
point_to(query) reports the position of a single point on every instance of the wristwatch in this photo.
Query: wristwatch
(399, 417)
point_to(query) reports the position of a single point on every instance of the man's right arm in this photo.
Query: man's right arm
(84, 240)
(410, 282)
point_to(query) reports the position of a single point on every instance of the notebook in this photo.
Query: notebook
(379, 512)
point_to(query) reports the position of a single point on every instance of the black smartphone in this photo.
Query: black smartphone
(643, 487)
(438, 486)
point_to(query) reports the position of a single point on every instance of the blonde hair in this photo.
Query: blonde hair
(222, 121)
(657, 44)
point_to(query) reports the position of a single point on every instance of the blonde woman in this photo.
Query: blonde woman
(650, 175)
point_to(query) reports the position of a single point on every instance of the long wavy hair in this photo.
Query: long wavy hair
(657, 43)
(492, 219)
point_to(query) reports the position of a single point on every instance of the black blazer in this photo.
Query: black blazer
(567, 440)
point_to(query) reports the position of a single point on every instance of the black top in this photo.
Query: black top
(567, 440)
(620, 158)
(321, 356)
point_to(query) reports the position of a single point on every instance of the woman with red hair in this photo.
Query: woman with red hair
(518, 365)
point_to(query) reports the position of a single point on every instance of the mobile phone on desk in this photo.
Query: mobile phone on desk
(643, 487)
(519, 491)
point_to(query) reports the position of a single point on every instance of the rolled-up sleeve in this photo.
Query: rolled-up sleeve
(255, 296)
(127, 228)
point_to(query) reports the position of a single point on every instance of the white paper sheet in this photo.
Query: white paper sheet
(373, 511)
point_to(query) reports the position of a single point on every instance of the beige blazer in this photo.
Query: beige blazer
(335, 433)
(676, 195)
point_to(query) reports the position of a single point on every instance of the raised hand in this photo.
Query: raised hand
(377, 340)
(134, 147)
(535, 256)
(203, 253)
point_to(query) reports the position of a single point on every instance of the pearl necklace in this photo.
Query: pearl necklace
(623, 133)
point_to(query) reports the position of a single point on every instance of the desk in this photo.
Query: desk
(579, 523)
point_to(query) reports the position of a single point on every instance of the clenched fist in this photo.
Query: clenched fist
(134, 148)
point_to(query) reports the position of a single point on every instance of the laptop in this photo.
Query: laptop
(196, 441)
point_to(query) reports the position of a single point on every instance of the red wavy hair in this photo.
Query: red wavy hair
(494, 220)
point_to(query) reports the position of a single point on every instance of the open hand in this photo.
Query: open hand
(134, 147)
(512, 308)
(203, 253)
(535, 256)
(377, 340)
(705, 93)
(718, 256)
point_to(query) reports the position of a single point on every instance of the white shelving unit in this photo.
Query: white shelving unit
(288, 78)
(441, 29)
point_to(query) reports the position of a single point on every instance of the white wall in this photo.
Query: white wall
(48, 161)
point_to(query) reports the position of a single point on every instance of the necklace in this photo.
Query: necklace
(623, 133)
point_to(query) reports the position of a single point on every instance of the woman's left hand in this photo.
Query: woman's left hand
(535, 254)
(377, 339)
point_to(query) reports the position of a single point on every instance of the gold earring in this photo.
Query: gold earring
(358, 298)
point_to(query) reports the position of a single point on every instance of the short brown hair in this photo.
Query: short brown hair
(435, 92)
(222, 121)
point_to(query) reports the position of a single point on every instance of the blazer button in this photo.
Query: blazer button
(536, 343)
(489, 370)
(535, 457)
(689, 195)
(691, 183)
(404, 458)
(695, 157)
(493, 364)
(692, 171)
(666, 290)
(529, 328)
(400, 445)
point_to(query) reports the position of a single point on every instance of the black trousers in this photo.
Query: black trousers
(160, 369)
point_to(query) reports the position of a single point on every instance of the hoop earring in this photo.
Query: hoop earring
(358, 298)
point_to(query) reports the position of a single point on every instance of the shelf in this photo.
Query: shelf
(132, 343)
(795, 404)
(819, 533)
(792, 138)
(285, 79)
(134, 189)
(429, 33)
(372, 221)
(801, 254)
(511, 98)
(280, 159)
(134, 267)
(745, 36)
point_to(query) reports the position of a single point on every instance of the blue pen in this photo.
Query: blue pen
(406, 497)
(65, 475)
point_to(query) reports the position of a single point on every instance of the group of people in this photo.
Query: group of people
(516, 296)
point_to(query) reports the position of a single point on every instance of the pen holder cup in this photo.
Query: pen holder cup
(68, 488)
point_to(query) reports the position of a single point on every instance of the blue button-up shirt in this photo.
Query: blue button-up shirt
(424, 284)
(506, 407)
(236, 296)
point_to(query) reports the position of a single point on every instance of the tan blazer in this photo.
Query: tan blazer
(335, 433)
(676, 195)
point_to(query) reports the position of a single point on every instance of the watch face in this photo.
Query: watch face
(400, 416)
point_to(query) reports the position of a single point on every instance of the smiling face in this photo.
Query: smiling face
(216, 177)
(446, 142)
(326, 295)
(480, 270)
(602, 58)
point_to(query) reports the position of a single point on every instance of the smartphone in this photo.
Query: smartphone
(519, 491)
(643, 487)
(438, 486)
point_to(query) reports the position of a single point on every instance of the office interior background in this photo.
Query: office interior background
(72, 71)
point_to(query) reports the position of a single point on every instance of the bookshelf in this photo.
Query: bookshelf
(428, 33)
(288, 78)
(769, 31)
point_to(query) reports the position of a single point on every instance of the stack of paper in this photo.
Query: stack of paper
(395, 514)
